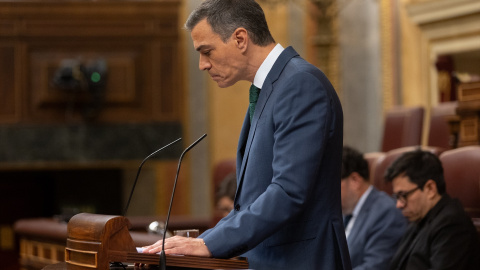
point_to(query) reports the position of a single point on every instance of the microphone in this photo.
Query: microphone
(163, 259)
(140, 167)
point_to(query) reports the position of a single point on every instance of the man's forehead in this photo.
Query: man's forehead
(199, 44)
(203, 35)
(401, 182)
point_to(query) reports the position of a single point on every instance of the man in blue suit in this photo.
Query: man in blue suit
(375, 226)
(287, 212)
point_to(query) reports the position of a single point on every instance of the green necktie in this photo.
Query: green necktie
(254, 91)
(347, 219)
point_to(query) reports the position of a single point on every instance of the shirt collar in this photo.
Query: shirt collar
(267, 65)
(360, 203)
(356, 210)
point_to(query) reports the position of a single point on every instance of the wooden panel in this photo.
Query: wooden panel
(124, 88)
(167, 87)
(7, 27)
(139, 40)
(469, 91)
(165, 174)
(469, 129)
(121, 71)
(9, 110)
(468, 112)
(38, 254)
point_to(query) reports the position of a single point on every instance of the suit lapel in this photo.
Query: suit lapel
(242, 142)
(249, 130)
(361, 219)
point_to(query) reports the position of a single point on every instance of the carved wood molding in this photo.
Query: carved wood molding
(447, 27)
(439, 10)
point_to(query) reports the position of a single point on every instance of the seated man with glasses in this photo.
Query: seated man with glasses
(441, 235)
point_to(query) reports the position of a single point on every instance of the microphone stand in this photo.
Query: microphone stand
(138, 172)
(163, 259)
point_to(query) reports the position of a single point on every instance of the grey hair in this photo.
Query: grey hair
(224, 16)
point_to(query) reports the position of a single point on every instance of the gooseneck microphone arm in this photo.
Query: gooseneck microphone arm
(138, 172)
(163, 259)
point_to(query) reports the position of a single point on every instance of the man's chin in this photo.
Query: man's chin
(411, 218)
(223, 84)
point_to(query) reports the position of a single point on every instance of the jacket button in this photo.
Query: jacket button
(237, 207)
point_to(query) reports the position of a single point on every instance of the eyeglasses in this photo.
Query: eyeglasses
(403, 195)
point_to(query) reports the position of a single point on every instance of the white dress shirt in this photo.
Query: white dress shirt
(267, 65)
(356, 210)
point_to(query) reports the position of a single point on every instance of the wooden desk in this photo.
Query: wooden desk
(63, 266)
(94, 241)
(42, 240)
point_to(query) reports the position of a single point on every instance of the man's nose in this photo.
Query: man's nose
(400, 204)
(203, 63)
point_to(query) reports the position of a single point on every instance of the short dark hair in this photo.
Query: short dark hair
(353, 161)
(420, 166)
(224, 16)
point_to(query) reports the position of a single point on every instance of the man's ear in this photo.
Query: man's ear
(240, 37)
(356, 179)
(431, 188)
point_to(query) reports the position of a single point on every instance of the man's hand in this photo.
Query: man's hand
(180, 245)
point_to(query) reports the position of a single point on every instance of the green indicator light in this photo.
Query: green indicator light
(95, 77)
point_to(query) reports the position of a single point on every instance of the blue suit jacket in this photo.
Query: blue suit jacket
(376, 233)
(287, 208)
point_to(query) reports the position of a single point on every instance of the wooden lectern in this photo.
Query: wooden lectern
(94, 241)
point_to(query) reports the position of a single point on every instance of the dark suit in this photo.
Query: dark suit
(376, 233)
(287, 208)
(444, 239)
